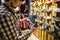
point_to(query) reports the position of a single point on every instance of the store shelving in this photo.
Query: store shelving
(47, 11)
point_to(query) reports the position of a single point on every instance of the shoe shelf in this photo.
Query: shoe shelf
(47, 12)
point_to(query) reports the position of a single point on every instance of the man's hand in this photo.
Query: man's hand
(32, 28)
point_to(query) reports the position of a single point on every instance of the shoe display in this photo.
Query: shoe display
(40, 15)
(47, 10)
(52, 32)
(56, 18)
(40, 10)
(58, 28)
(46, 24)
(47, 17)
(56, 10)
(48, 13)
(48, 2)
(39, 4)
(56, 1)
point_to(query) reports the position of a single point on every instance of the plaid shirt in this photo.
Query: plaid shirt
(9, 25)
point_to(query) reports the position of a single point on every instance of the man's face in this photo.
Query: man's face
(13, 3)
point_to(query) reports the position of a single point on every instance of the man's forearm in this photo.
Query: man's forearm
(24, 37)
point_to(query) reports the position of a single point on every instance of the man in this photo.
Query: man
(9, 21)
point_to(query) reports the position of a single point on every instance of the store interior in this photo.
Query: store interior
(44, 14)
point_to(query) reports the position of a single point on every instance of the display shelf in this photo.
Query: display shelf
(48, 11)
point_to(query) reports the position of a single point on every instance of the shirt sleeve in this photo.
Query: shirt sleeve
(24, 36)
(9, 28)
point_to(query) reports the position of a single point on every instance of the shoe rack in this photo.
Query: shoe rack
(58, 15)
(47, 12)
